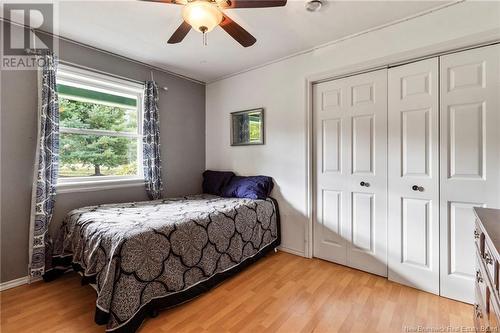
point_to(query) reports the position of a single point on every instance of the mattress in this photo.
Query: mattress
(143, 256)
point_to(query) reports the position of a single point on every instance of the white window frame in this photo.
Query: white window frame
(87, 79)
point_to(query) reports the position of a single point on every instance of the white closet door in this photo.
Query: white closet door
(413, 163)
(331, 107)
(350, 117)
(470, 149)
(367, 149)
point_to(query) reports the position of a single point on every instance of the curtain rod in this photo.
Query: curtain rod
(69, 63)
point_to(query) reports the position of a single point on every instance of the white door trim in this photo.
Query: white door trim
(475, 41)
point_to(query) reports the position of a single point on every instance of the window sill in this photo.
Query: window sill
(68, 187)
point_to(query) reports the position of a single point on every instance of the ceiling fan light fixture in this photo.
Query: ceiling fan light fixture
(202, 15)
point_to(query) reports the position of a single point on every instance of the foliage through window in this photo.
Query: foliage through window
(100, 128)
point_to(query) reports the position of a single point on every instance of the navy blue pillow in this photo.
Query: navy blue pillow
(255, 187)
(215, 181)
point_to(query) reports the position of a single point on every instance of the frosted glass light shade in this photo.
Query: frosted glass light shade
(202, 15)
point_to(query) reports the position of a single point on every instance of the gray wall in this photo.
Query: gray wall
(182, 116)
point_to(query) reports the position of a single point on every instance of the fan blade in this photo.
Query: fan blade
(180, 33)
(250, 3)
(172, 2)
(237, 32)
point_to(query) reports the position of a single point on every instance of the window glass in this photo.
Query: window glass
(100, 130)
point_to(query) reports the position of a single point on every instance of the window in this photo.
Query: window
(100, 130)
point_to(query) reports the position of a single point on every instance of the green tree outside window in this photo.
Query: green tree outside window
(78, 152)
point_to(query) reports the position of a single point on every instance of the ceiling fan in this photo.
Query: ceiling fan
(204, 15)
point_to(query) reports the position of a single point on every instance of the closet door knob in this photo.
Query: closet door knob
(365, 184)
(417, 188)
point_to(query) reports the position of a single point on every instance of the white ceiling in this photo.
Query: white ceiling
(139, 30)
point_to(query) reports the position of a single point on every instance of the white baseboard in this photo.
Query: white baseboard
(292, 251)
(14, 283)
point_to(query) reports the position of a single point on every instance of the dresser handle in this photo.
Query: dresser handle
(476, 234)
(479, 314)
(479, 278)
(487, 258)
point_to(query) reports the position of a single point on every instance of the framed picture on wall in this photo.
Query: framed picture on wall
(247, 127)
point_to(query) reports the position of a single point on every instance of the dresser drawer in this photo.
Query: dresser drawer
(481, 284)
(480, 315)
(491, 265)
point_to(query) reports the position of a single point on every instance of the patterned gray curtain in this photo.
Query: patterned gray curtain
(151, 142)
(46, 168)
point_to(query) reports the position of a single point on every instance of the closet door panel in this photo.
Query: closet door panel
(367, 230)
(466, 158)
(331, 170)
(470, 122)
(350, 149)
(331, 218)
(415, 224)
(460, 249)
(362, 144)
(362, 222)
(413, 171)
(331, 141)
(415, 143)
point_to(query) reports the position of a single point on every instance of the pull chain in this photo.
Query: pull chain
(204, 30)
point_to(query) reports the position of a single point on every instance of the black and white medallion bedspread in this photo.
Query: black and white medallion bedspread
(142, 251)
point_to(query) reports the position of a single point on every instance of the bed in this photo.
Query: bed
(144, 256)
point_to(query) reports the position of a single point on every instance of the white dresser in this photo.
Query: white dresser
(487, 241)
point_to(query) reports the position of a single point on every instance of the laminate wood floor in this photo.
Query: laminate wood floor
(280, 293)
